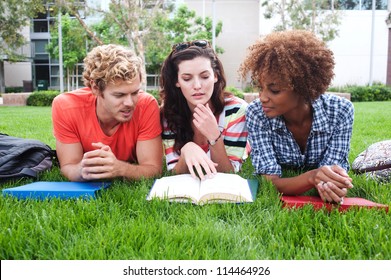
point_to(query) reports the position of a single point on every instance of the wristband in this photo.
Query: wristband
(213, 142)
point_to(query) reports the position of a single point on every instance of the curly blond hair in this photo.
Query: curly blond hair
(104, 64)
(297, 57)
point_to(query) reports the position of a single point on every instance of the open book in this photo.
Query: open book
(223, 187)
(348, 202)
(63, 190)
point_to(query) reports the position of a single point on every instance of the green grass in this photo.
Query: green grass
(121, 224)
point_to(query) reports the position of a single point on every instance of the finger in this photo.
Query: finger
(196, 123)
(106, 148)
(200, 111)
(342, 172)
(200, 173)
(338, 169)
(97, 145)
(209, 169)
(91, 154)
(320, 192)
(99, 153)
(95, 176)
(338, 176)
(337, 179)
(326, 193)
(208, 108)
(339, 191)
(191, 170)
(333, 196)
(93, 161)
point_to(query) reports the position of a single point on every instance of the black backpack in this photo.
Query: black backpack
(23, 157)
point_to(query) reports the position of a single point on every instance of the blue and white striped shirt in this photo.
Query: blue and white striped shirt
(273, 145)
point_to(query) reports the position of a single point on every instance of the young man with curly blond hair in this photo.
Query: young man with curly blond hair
(293, 124)
(111, 128)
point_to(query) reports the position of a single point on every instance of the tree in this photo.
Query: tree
(148, 27)
(313, 15)
(125, 22)
(151, 29)
(183, 26)
(74, 39)
(14, 15)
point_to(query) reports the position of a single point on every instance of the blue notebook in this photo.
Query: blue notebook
(63, 190)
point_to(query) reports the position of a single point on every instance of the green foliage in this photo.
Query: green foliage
(14, 15)
(13, 89)
(237, 92)
(313, 15)
(73, 42)
(155, 93)
(376, 92)
(121, 224)
(184, 25)
(42, 98)
(250, 88)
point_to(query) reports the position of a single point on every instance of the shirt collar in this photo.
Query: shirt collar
(320, 121)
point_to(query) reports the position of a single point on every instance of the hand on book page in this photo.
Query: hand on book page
(222, 187)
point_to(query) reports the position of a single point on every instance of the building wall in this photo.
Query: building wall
(15, 73)
(388, 79)
(243, 22)
(240, 28)
(352, 49)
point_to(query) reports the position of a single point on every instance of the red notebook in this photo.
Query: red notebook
(300, 201)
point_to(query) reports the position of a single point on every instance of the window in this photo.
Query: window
(359, 4)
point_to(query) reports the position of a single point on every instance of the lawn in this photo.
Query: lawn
(121, 224)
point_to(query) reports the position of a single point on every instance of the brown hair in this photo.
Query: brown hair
(297, 56)
(175, 109)
(104, 64)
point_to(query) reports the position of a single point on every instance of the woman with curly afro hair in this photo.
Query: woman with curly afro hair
(294, 125)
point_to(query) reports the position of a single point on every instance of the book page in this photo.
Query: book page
(176, 188)
(225, 186)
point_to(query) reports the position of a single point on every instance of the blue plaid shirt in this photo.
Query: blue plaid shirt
(273, 145)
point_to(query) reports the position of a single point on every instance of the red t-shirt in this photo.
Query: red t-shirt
(74, 121)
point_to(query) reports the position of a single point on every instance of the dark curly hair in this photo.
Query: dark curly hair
(174, 105)
(299, 58)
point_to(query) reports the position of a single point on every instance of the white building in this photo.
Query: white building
(243, 22)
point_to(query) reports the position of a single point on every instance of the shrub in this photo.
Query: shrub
(376, 92)
(250, 89)
(13, 89)
(155, 93)
(42, 98)
(235, 91)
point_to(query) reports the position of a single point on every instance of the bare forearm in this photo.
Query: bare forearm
(219, 156)
(72, 172)
(293, 185)
(134, 171)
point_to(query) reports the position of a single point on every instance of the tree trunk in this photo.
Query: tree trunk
(388, 81)
(68, 83)
(2, 78)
